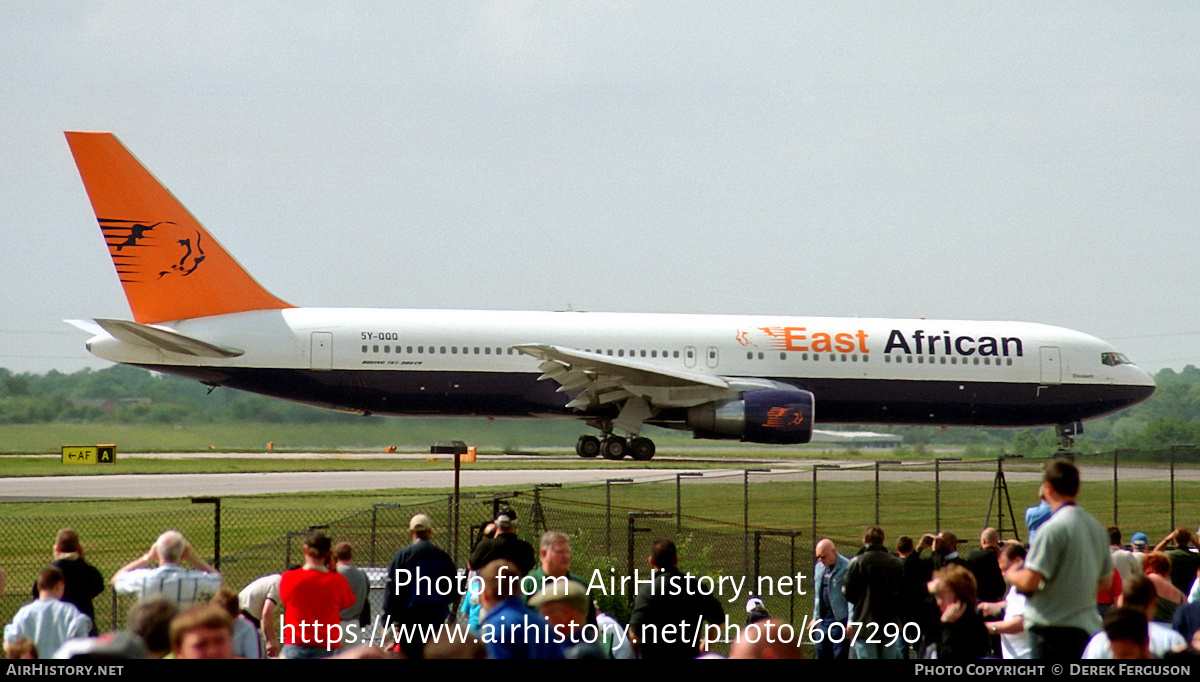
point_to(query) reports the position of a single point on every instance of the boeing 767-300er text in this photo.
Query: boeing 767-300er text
(755, 378)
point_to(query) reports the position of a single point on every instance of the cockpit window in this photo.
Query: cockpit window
(1114, 359)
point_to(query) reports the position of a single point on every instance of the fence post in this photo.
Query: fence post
(1116, 457)
(746, 514)
(757, 557)
(679, 498)
(608, 511)
(937, 490)
(1173, 487)
(216, 502)
(629, 553)
(815, 468)
(632, 529)
(877, 463)
(374, 525)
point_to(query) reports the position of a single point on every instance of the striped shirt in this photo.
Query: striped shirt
(181, 585)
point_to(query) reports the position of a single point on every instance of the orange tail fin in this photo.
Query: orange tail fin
(169, 265)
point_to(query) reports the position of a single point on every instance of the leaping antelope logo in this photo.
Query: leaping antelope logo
(141, 249)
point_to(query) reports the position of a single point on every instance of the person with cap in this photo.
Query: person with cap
(506, 545)
(313, 597)
(756, 610)
(421, 588)
(1140, 545)
(565, 604)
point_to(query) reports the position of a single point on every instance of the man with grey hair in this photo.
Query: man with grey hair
(555, 567)
(181, 585)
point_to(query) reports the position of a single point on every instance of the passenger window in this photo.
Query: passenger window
(749, 355)
(374, 349)
(364, 349)
(783, 356)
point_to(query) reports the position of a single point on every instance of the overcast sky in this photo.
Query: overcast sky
(1024, 161)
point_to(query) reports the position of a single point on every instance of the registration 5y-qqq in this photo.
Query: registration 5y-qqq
(852, 631)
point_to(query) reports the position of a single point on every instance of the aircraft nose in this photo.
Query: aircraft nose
(1141, 387)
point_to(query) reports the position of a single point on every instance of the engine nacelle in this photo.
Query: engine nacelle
(762, 416)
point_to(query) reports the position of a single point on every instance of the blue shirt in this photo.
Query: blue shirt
(837, 600)
(47, 623)
(513, 630)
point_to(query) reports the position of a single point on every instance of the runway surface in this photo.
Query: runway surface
(47, 488)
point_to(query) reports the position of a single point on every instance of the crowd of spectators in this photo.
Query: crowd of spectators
(1075, 591)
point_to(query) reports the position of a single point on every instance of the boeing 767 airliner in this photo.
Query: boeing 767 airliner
(755, 378)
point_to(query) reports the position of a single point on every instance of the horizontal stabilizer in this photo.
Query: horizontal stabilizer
(164, 339)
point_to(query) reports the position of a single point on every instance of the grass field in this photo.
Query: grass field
(260, 534)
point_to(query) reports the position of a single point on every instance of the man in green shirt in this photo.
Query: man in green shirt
(1067, 563)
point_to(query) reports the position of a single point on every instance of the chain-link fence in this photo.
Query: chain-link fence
(755, 526)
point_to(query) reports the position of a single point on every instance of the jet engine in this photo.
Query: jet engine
(782, 417)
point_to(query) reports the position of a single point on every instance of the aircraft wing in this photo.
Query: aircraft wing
(601, 379)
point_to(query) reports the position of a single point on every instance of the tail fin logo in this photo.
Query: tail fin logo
(145, 252)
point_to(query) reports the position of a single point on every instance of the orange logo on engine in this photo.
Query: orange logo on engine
(783, 418)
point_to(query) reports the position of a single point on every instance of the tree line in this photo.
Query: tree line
(123, 394)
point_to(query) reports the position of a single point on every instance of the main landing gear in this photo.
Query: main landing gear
(615, 447)
(1066, 434)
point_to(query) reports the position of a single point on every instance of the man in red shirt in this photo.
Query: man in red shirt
(313, 597)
